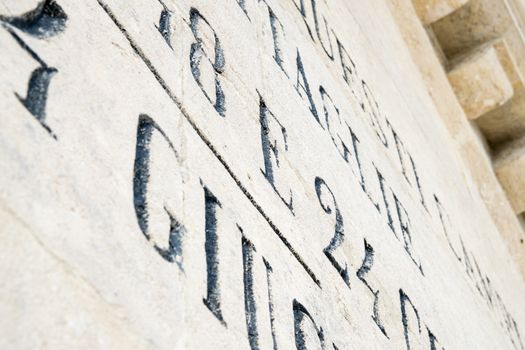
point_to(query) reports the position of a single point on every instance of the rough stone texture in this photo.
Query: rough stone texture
(505, 123)
(474, 24)
(509, 166)
(480, 82)
(197, 174)
(508, 62)
(514, 34)
(432, 10)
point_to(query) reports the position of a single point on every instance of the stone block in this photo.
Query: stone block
(506, 123)
(471, 26)
(480, 82)
(508, 61)
(510, 169)
(515, 45)
(429, 11)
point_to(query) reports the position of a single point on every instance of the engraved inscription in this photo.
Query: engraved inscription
(48, 19)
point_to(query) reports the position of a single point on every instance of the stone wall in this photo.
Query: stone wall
(253, 174)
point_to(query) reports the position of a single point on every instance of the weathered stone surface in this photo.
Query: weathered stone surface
(48, 304)
(508, 62)
(474, 24)
(213, 175)
(480, 81)
(510, 165)
(506, 122)
(432, 10)
(514, 41)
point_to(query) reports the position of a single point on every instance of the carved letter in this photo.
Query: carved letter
(242, 5)
(302, 84)
(362, 182)
(405, 226)
(269, 271)
(335, 125)
(418, 183)
(249, 299)
(381, 180)
(445, 220)
(407, 321)
(402, 153)
(250, 307)
(213, 90)
(339, 234)
(144, 206)
(164, 27)
(274, 141)
(46, 20)
(302, 9)
(349, 71)
(278, 37)
(371, 108)
(36, 97)
(301, 315)
(326, 31)
(411, 326)
(213, 296)
(368, 262)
